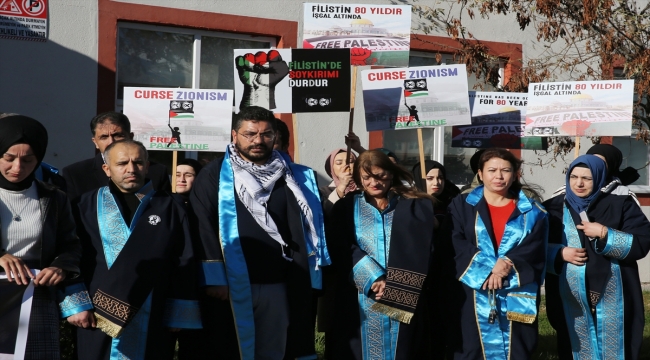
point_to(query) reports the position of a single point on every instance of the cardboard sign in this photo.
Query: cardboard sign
(580, 108)
(293, 80)
(376, 34)
(180, 119)
(498, 120)
(23, 20)
(418, 97)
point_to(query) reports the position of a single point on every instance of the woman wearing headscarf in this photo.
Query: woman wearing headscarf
(384, 243)
(39, 248)
(342, 184)
(186, 172)
(341, 173)
(593, 291)
(617, 180)
(435, 184)
(443, 294)
(614, 159)
(499, 237)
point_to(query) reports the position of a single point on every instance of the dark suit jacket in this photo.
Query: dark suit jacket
(88, 175)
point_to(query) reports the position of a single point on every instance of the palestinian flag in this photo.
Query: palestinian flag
(181, 109)
(415, 87)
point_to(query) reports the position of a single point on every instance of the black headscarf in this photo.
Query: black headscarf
(614, 159)
(194, 164)
(450, 190)
(473, 161)
(19, 129)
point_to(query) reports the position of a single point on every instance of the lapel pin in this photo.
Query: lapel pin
(154, 219)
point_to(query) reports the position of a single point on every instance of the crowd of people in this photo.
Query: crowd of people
(249, 255)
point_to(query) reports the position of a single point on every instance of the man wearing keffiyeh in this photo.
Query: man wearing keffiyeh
(261, 231)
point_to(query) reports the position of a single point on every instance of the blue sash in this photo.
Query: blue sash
(112, 227)
(235, 262)
(514, 302)
(236, 270)
(132, 341)
(589, 341)
(373, 229)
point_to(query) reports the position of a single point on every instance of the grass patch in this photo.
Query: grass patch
(546, 343)
(320, 345)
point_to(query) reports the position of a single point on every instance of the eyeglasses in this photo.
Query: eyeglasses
(267, 136)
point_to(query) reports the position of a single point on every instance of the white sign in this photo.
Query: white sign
(580, 108)
(180, 119)
(417, 97)
(377, 34)
(498, 120)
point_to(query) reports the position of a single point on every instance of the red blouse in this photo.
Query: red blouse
(500, 216)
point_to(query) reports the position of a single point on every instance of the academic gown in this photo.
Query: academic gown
(229, 331)
(152, 275)
(513, 335)
(361, 240)
(615, 329)
(445, 291)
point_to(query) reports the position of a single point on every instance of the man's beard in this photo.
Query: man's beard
(246, 152)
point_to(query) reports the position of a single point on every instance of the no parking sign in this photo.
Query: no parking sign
(23, 19)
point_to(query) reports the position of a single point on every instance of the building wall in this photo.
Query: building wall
(55, 82)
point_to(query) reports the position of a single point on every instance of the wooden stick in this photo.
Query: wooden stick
(421, 149)
(174, 162)
(353, 93)
(577, 147)
(296, 143)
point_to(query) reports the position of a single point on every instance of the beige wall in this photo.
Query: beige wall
(56, 81)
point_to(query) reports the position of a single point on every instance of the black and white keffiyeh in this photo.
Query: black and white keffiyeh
(254, 184)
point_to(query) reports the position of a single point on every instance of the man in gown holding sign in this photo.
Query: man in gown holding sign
(141, 277)
(261, 227)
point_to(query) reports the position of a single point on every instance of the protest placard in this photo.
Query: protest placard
(15, 313)
(418, 97)
(580, 108)
(498, 120)
(23, 20)
(293, 80)
(376, 34)
(180, 119)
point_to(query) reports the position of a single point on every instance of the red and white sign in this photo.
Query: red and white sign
(23, 20)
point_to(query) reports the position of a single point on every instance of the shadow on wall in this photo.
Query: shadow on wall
(55, 85)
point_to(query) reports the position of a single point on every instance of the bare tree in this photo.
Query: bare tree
(593, 40)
